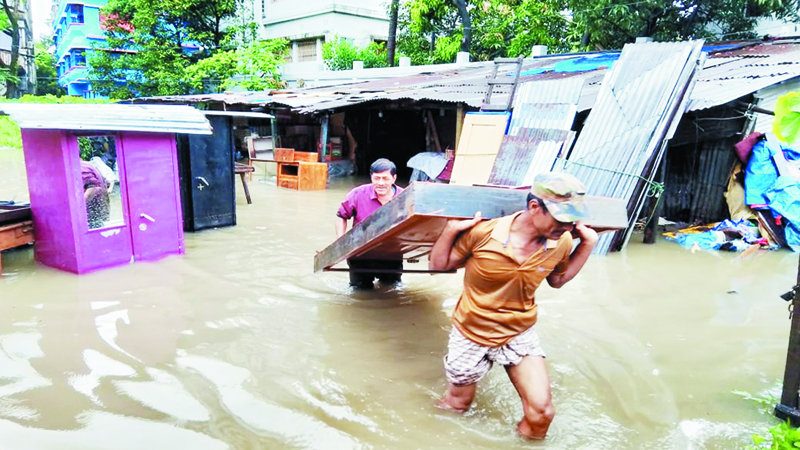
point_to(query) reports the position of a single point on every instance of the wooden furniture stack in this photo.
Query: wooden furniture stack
(300, 170)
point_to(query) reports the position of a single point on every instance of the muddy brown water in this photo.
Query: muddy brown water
(239, 345)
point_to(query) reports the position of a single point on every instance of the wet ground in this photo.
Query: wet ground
(239, 345)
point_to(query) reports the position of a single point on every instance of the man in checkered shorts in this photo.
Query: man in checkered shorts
(506, 259)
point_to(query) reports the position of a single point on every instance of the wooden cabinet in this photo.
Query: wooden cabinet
(303, 176)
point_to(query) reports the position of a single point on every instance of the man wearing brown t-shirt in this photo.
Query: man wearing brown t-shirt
(506, 260)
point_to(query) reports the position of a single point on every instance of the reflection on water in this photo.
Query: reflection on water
(238, 344)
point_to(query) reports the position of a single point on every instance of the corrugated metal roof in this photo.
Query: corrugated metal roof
(108, 117)
(253, 115)
(733, 70)
(734, 77)
(624, 134)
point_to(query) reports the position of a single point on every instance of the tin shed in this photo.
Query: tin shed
(84, 219)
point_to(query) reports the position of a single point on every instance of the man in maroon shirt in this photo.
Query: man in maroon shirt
(359, 203)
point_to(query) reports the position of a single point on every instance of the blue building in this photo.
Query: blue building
(76, 29)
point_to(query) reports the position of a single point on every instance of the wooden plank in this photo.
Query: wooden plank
(410, 223)
(481, 137)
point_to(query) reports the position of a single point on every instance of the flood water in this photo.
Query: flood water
(239, 345)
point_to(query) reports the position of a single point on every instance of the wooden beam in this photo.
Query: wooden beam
(435, 134)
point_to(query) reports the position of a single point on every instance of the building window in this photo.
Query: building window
(78, 58)
(75, 13)
(307, 50)
(263, 9)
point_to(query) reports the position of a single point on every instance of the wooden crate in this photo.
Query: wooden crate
(306, 156)
(303, 176)
(284, 154)
(313, 176)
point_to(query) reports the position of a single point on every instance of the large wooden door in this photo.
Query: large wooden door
(481, 137)
(153, 194)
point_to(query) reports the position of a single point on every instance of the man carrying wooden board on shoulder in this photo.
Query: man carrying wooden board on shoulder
(506, 259)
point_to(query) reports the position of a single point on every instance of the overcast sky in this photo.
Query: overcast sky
(41, 12)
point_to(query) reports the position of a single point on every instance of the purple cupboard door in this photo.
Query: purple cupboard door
(154, 206)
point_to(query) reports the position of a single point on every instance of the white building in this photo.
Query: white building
(309, 23)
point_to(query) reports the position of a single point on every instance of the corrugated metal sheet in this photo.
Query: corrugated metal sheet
(737, 77)
(522, 157)
(697, 177)
(638, 107)
(543, 115)
(108, 117)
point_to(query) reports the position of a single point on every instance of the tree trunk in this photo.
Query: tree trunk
(467, 24)
(12, 12)
(392, 42)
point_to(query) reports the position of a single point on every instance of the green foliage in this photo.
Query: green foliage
(253, 68)
(780, 437)
(10, 135)
(145, 54)
(765, 401)
(339, 54)
(509, 28)
(46, 77)
(787, 118)
(86, 148)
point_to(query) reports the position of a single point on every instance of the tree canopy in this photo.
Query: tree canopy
(9, 23)
(432, 31)
(168, 47)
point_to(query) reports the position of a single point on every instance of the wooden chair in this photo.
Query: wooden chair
(259, 149)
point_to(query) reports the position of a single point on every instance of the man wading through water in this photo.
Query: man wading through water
(506, 259)
(359, 203)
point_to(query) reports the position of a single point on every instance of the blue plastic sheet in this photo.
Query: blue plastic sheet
(747, 230)
(784, 199)
(761, 173)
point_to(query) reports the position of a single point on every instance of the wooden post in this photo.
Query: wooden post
(432, 127)
(274, 130)
(460, 113)
(654, 208)
(323, 138)
(787, 409)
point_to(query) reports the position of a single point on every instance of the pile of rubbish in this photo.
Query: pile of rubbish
(763, 198)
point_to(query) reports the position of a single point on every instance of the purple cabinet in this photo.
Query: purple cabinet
(144, 222)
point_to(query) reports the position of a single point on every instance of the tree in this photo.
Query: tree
(609, 24)
(46, 77)
(253, 68)
(339, 54)
(10, 23)
(429, 31)
(150, 45)
(391, 44)
(466, 25)
(433, 31)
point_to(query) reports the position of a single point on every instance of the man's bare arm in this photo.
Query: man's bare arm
(341, 226)
(442, 256)
(577, 259)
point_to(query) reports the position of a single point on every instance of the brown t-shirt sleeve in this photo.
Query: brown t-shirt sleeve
(466, 242)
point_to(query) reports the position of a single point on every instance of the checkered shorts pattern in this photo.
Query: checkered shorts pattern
(467, 362)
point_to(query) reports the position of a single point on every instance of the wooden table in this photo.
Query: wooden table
(242, 169)
(15, 235)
